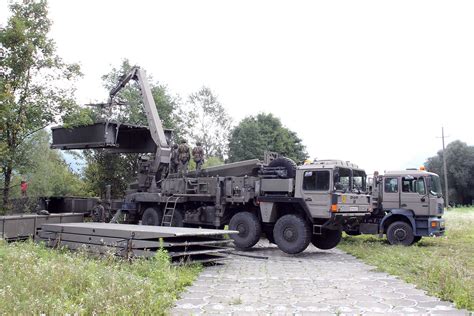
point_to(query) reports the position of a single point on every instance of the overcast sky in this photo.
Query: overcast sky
(367, 81)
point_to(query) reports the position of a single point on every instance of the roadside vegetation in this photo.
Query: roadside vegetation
(37, 280)
(443, 266)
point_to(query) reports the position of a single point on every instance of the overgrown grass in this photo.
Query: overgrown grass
(443, 266)
(36, 280)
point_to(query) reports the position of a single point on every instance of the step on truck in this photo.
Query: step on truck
(407, 205)
(291, 205)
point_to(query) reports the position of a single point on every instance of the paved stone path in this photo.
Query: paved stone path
(313, 282)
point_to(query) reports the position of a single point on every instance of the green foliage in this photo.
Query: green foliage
(38, 280)
(104, 168)
(130, 109)
(256, 134)
(48, 173)
(443, 266)
(209, 122)
(36, 89)
(460, 169)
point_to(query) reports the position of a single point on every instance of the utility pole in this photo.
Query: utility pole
(445, 172)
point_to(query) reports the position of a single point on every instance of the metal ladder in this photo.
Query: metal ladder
(168, 218)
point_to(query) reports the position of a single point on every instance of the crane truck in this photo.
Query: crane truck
(407, 205)
(292, 205)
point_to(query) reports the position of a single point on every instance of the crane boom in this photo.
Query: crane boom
(163, 151)
(154, 121)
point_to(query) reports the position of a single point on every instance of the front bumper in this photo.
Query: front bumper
(436, 226)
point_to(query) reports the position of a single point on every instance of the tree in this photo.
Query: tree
(120, 169)
(31, 95)
(255, 134)
(210, 123)
(460, 169)
(48, 174)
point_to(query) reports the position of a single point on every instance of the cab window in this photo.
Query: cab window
(391, 185)
(359, 180)
(342, 179)
(316, 180)
(412, 184)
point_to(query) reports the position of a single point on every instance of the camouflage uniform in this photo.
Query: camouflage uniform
(174, 160)
(184, 156)
(98, 213)
(198, 156)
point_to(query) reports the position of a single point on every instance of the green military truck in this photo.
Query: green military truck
(407, 205)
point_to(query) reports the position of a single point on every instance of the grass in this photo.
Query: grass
(38, 280)
(443, 266)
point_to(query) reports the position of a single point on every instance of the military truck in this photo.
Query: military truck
(291, 205)
(407, 205)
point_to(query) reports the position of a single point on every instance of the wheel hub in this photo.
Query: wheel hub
(242, 229)
(400, 234)
(289, 234)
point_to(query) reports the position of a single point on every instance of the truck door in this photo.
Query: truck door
(391, 194)
(413, 196)
(315, 191)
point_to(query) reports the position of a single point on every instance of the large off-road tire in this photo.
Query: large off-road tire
(152, 217)
(287, 163)
(400, 233)
(249, 228)
(177, 219)
(329, 239)
(292, 233)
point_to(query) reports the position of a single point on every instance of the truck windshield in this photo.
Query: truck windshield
(435, 185)
(359, 180)
(342, 179)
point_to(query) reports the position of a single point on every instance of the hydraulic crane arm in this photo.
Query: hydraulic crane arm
(154, 121)
(163, 151)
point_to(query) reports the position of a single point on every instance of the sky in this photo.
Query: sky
(371, 82)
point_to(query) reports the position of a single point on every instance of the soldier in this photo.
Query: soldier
(198, 156)
(174, 160)
(98, 213)
(184, 156)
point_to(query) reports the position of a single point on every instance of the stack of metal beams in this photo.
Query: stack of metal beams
(183, 245)
(24, 226)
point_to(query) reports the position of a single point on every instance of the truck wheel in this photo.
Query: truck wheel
(329, 239)
(400, 233)
(152, 217)
(292, 233)
(287, 163)
(177, 220)
(249, 228)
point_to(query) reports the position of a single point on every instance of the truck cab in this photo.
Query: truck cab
(408, 205)
(333, 188)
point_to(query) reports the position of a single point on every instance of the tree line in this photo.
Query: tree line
(37, 91)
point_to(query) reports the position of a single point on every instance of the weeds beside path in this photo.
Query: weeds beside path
(443, 266)
(38, 280)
